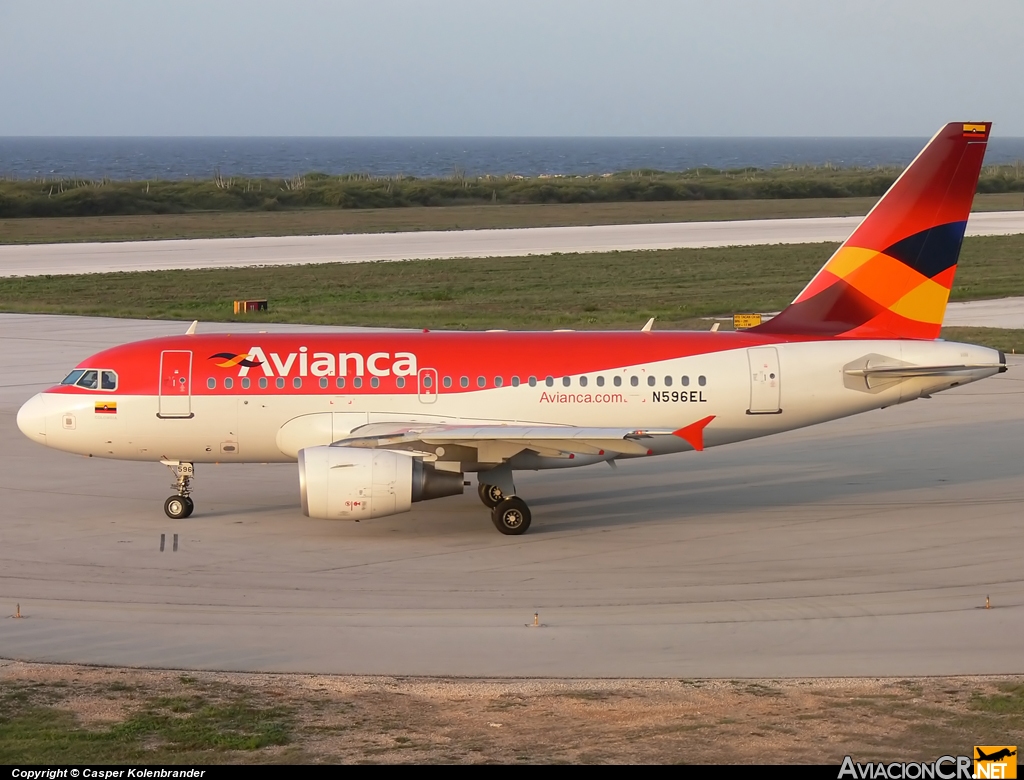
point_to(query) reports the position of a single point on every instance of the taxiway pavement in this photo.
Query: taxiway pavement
(866, 546)
(39, 259)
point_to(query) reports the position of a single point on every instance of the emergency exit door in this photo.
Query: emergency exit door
(175, 383)
(765, 381)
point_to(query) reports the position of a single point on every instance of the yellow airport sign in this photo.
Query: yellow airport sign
(744, 321)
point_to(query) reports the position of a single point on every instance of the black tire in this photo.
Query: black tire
(511, 516)
(491, 495)
(189, 506)
(176, 507)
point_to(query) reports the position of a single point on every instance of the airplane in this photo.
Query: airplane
(379, 421)
(999, 754)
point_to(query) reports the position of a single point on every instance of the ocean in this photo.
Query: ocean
(184, 158)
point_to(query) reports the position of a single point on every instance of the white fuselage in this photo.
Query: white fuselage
(750, 392)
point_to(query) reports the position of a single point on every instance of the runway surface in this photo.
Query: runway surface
(39, 259)
(997, 313)
(861, 547)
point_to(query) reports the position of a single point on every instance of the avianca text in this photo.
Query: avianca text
(330, 363)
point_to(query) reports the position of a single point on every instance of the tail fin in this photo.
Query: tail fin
(891, 278)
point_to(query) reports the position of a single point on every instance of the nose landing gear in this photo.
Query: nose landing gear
(180, 505)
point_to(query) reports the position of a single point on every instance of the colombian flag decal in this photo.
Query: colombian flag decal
(106, 407)
(974, 131)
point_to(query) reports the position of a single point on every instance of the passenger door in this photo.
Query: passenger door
(175, 384)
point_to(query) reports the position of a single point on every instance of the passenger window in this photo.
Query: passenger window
(481, 382)
(245, 383)
(73, 377)
(297, 382)
(549, 381)
(668, 381)
(340, 382)
(211, 383)
(109, 381)
(400, 382)
(447, 381)
(583, 381)
(228, 382)
(464, 382)
(702, 380)
(533, 381)
(617, 381)
(651, 380)
(686, 381)
(498, 381)
(428, 381)
(263, 383)
(515, 381)
(634, 380)
(280, 383)
(600, 381)
(89, 380)
(566, 381)
(358, 382)
(375, 383)
(323, 383)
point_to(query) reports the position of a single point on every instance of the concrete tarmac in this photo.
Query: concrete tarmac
(996, 313)
(865, 546)
(39, 259)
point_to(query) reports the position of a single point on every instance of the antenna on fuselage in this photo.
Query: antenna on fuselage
(647, 328)
(192, 328)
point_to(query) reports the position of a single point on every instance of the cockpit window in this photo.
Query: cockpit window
(73, 377)
(92, 379)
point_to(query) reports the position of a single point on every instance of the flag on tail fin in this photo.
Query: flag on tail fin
(892, 277)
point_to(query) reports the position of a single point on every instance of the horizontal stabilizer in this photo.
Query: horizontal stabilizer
(897, 372)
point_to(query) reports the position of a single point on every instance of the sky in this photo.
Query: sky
(511, 68)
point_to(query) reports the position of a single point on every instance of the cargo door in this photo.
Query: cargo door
(765, 381)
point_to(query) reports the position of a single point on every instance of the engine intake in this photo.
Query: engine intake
(351, 483)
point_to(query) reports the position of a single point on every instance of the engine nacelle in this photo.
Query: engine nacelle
(351, 483)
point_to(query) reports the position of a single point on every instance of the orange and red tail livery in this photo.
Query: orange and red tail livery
(892, 277)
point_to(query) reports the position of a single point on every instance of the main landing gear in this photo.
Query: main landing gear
(510, 514)
(180, 505)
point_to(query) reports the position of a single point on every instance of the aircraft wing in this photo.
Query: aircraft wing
(504, 440)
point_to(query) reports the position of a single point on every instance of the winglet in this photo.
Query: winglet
(693, 434)
(647, 328)
(192, 328)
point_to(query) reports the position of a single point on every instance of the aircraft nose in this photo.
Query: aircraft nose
(32, 419)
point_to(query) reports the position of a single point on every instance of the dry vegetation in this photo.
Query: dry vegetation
(55, 713)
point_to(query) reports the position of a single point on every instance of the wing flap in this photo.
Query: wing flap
(565, 439)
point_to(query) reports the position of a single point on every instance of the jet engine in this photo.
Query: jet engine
(350, 483)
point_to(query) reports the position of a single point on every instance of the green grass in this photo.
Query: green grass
(305, 222)
(587, 291)
(35, 729)
(1009, 702)
(298, 222)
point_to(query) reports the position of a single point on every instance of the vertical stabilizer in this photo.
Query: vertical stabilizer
(892, 277)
